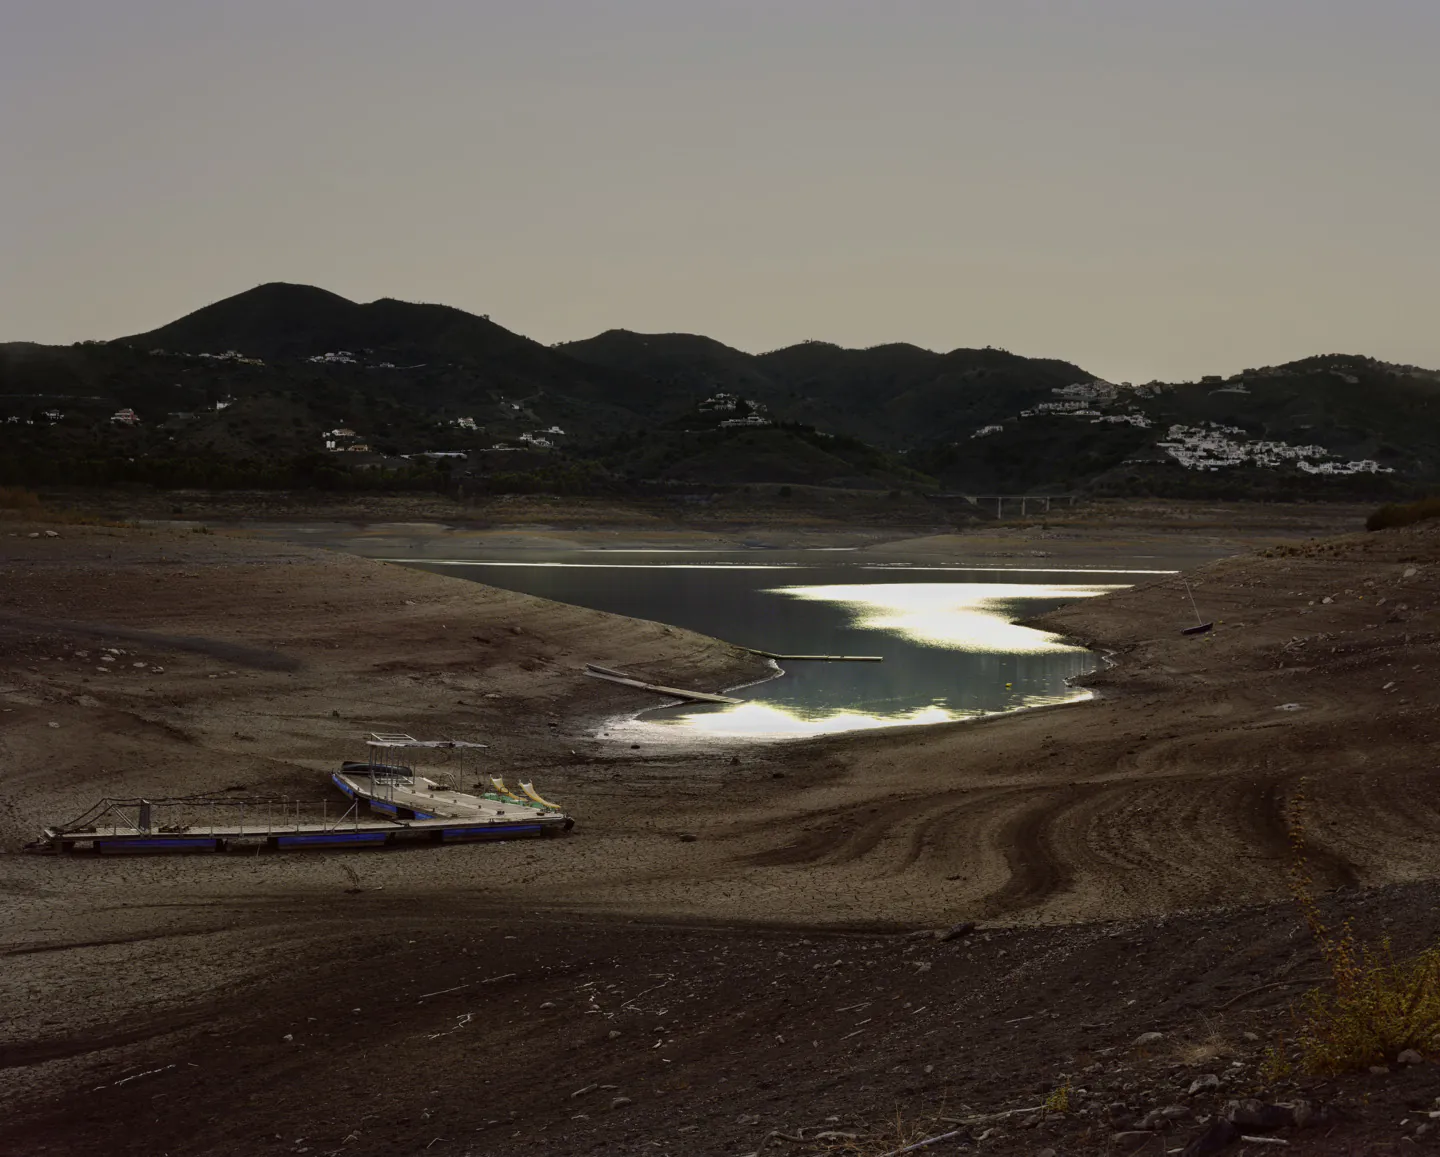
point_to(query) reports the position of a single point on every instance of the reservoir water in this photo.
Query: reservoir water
(950, 637)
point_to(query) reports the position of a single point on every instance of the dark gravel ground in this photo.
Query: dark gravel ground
(408, 1025)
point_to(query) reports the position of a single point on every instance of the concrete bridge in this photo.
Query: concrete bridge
(995, 505)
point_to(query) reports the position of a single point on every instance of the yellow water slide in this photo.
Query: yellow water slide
(501, 789)
(529, 789)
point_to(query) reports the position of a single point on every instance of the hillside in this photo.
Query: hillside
(290, 385)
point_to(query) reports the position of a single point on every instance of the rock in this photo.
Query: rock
(1410, 572)
(1243, 1113)
(1204, 1083)
(621, 1102)
(1219, 1136)
(52, 534)
(956, 931)
(1379, 1070)
(1250, 1037)
(548, 1004)
(1130, 1139)
(1327, 599)
(1045, 1153)
(52, 724)
(1252, 1114)
(613, 1034)
(1410, 1057)
(1304, 1113)
(1145, 1039)
(1159, 1118)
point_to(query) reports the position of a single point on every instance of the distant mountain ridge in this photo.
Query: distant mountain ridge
(257, 379)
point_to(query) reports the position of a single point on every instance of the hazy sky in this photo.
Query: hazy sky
(1151, 188)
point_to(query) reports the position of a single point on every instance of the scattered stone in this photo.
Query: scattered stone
(1204, 1083)
(1219, 1136)
(548, 1004)
(1255, 1114)
(52, 724)
(1410, 1057)
(621, 1102)
(1327, 599)
(1410, 572)
(1146, 1039)
(52, 534)
(613, 1034)
(1250, 1037)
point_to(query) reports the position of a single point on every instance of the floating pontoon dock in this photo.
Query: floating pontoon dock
(411, 809)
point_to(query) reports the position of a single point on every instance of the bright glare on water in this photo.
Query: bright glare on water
(952, 650)
(959, 616)
(1011, 666)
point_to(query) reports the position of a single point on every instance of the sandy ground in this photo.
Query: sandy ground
(264, 661)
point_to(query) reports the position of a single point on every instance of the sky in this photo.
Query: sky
(1148, 188)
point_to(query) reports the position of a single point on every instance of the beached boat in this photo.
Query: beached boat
(387, 783)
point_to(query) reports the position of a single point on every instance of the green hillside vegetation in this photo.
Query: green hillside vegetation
(251, 390)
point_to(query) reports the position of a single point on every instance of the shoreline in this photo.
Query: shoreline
(1159, 805)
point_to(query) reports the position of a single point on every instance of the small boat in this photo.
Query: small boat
(1200, 628)
(387, 784)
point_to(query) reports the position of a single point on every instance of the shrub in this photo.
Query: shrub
(18, 499)
(1394, 514)
(1377, 1006)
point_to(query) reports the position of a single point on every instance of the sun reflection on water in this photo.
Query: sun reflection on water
(957, 616)
(971, 618)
